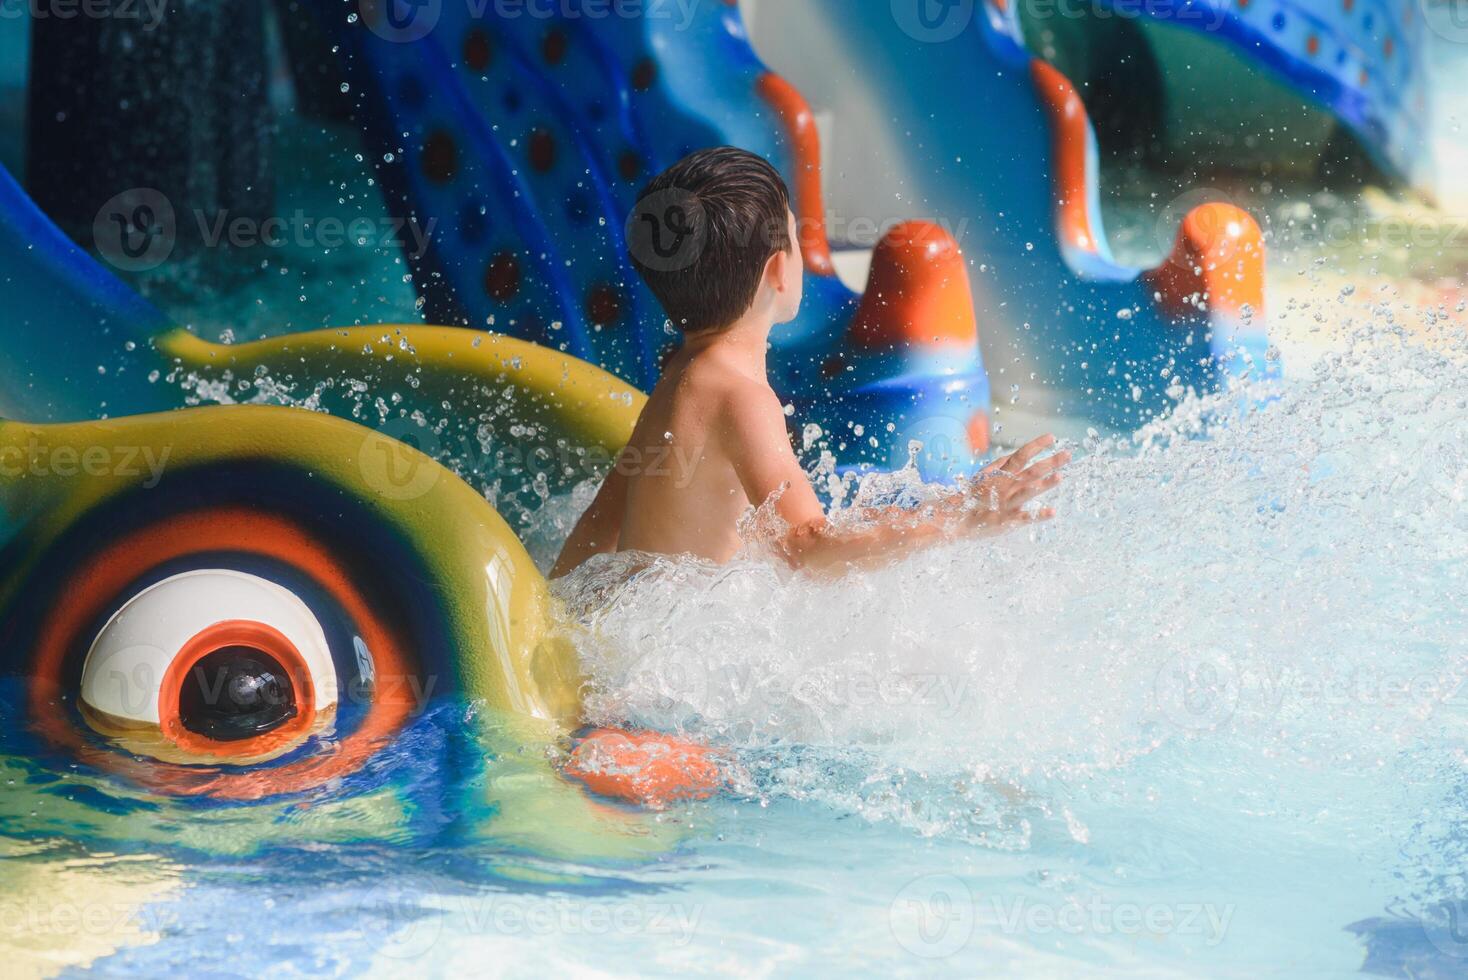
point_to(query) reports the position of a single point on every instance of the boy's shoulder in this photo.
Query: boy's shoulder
(743, 410)
(715, 384)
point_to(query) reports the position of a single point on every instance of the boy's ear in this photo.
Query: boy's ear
(775, 270)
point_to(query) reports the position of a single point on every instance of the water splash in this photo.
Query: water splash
(1282, 582)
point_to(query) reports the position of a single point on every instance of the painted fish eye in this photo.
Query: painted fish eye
(163, 593)
(210, 665)
(253, 694)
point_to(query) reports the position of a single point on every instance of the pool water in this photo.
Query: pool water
(1210, 721)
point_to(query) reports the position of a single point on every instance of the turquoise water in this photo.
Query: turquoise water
(1225, 693)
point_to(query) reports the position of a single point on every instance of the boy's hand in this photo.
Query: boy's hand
(995, 500)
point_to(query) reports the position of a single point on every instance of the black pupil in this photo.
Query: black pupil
(236, 693)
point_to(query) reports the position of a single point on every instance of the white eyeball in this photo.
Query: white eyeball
(210, 656)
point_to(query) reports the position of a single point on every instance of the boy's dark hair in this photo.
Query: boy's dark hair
(702, 231)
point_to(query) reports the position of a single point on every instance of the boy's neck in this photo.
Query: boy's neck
(745, 342)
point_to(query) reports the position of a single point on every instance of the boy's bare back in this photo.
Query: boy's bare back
(710, 442)
(683, 494)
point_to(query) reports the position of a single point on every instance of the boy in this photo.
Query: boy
(715, 240)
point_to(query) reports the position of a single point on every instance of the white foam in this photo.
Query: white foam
(1286, 580)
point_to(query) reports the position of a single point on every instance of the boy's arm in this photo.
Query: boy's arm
(599, 529)
(765, 462)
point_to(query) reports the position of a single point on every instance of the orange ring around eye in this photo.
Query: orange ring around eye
(232, 633)
(93, 588)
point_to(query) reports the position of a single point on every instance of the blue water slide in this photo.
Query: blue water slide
(73, 334)
(523, 140)
(1364, 61)
(997, 143)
